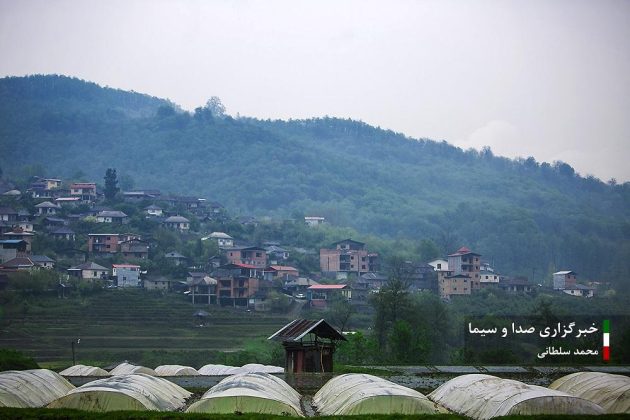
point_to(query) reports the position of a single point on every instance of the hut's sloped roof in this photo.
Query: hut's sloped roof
(125, 392)
(353, 394)
(250, 393)
(484, 396)
(219, 370)
(299, 328)
(175, 370)
(83, 370)
(31, 388)
(611, 392)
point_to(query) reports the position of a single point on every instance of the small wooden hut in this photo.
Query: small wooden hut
(308, 345)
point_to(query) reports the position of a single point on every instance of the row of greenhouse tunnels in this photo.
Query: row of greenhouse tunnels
(476, 396)
(309, 345)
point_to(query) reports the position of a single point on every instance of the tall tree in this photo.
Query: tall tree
(111, 184)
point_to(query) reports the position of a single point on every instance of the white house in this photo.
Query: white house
(223, 239)
(439, 265)
(127, 275)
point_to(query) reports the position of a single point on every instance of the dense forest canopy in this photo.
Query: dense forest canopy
(525, 217)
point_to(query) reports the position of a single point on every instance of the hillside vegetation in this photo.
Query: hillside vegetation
(525, 217)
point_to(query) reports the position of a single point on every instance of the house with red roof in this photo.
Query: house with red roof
(319, 295)
(463, 274)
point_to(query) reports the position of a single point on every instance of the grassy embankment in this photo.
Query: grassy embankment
(135, 325)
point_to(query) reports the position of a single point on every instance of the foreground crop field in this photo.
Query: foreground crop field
(128, 324)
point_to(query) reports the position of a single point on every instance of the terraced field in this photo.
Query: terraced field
(129, 324)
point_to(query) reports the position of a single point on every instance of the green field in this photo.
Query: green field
(134, 325)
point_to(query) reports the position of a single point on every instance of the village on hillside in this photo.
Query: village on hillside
(109, 248)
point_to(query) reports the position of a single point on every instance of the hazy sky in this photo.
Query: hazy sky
(550, 79)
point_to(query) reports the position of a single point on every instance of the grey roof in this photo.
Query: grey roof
(63, 231)
(111, 213)
(47, 204)
(88, 266)
(7, 210)
(18, 262)
(41, 259)
(174, 254)
(153, 207)
(220, 235)
(176, 219)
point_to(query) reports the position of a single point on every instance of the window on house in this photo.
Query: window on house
(363, 267)
(439, 266)
(95, 274)
(258, 254)
(454, 288)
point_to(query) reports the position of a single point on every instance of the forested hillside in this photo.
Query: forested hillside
(522, 215)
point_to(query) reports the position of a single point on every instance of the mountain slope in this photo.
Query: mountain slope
(521, 215)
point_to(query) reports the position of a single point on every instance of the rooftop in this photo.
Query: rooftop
(299, 328)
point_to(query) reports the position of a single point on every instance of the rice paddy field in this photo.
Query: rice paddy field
(144, 327)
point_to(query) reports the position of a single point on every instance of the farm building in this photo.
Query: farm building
(250, 393)
(31, 388)
(83, 370)
(308, 345)
(484, 396)
(611, 392)
(353, 394)
(125, 392)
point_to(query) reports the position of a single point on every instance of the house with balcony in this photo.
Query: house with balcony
(86, 191)
(177, 222)
(239, 284)
(47, 209)
(346, 257)
(107, 243)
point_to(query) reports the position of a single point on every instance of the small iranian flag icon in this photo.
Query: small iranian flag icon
(606, 348)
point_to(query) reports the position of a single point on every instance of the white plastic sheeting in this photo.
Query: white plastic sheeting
(83, 370)
(611, 392)
(485, 396)
(175, 370)
(353, 394)
(125, 392)
(250, 393)
(129, 369)
(31, 388)
(219, 370)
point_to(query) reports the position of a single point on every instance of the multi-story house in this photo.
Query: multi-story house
(347, 256)
(134, 248)
(251, 255)
(237, 283)
(84, 190)
(564, 280)
(462, 276)
(107, 242)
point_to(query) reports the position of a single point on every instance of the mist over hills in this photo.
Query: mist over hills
(520, 214)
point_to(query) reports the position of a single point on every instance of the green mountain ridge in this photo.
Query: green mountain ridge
(522, 215)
